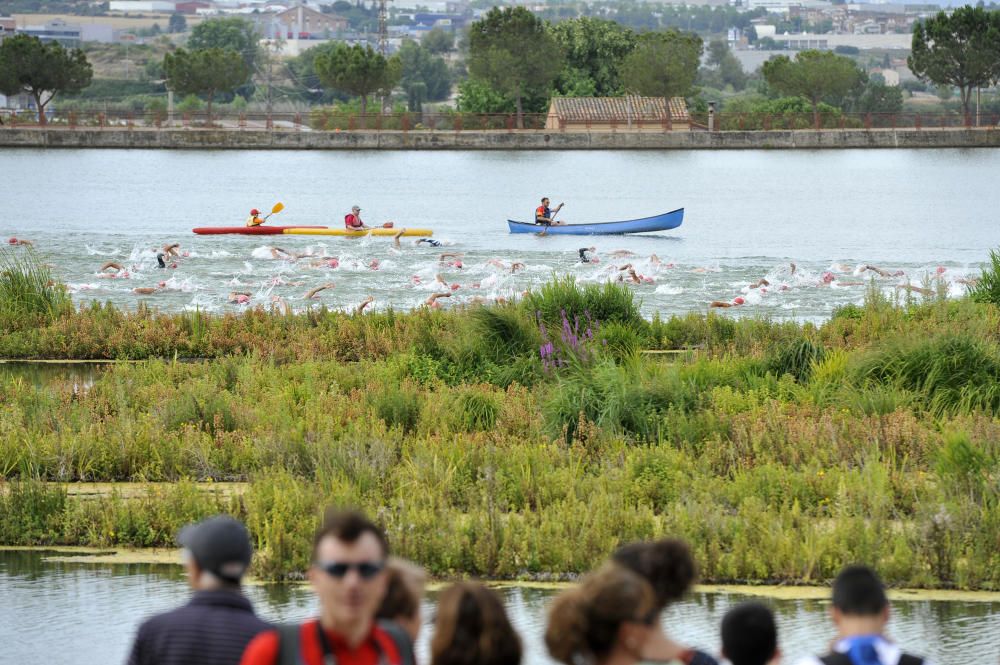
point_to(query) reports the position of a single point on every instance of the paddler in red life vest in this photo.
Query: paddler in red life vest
(544, 214)
(352, 221)
(255, 219)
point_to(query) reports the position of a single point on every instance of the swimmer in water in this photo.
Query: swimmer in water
(20, 241)
(145, 290)
(451, 259)
(515, 266)
(360, 309)
(430, 241)
(621, 254)
(396, 236)
(910, 288)
(432, 300)
(759, 283)
(736, 302)
(171, 249)
(793, 267)
(239, 297)
(311, 294)
(112, 265)
(583, 255)
(883, 273)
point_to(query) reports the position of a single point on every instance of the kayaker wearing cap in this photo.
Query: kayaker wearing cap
(255, 219)
(218, 622)
(353, 220)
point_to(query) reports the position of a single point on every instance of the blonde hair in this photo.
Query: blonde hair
(584, 621)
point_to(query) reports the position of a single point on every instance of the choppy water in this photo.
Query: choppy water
(748, 215)
(88, 613)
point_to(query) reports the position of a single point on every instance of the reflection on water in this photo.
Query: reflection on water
(79, 376)
(97, 608)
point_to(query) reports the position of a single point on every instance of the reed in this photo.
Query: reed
(28, 294)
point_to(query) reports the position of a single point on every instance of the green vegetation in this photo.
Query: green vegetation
(205, 72)
(511, 50)
(357, 70)
(960, 49)
(28, 294)
(815, 75)
(41, 70)
(526, 439)
(663, 64)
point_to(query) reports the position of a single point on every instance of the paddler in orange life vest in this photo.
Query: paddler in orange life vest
(544, 214)
(255, 219)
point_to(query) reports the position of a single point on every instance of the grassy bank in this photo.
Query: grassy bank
(529, 440)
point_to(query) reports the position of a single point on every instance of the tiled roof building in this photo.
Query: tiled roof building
(610, 113)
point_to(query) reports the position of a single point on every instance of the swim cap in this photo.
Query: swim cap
(173, 265)
(374, 265)
(162, 285)
(940, 270)
(738, 300)
(457, 264)
(255, 212)
(828, 277)
(12, 241)
(455, 287)
(242, 299)
(333, 263)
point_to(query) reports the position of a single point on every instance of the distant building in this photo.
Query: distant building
(142, 6)
(300, 23)
(804, 40)
(610, 113)
(192, 6)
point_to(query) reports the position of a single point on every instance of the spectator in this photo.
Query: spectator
(349, 577)
(403, 596)
(860, 612)
(218, 622)
(749, 636)
(609, 618)
(472, 628)
(668, 566)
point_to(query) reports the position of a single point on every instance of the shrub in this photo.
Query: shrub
(987, 289)
(796, 358)
(28, 294)
(399, 406)
(601, 302)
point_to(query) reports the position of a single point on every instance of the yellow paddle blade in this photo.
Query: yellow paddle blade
(278, 207)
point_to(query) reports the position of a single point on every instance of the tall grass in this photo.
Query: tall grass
(28, 294)
(987, 289)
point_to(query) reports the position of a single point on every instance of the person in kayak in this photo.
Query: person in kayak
(544, 214)
(352, 221)
(255, 219)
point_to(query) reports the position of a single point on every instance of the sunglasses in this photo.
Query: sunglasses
(366, 569)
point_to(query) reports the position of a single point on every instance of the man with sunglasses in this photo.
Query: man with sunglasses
(349, 577)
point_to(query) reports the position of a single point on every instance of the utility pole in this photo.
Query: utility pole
(383, 40)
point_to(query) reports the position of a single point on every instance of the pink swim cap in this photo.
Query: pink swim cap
(738, 300)
(162, 285)
(12, 241)
(647, 279)
(456, 264)
(333, 263)
(242, 299)
(173, 265)
(186, 254)
(455, 287)
(940, 270)
(374, 265)
(828, 277)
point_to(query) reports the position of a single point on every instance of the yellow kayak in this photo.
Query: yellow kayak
(303, 231)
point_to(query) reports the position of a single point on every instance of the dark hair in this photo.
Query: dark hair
(472, 628)
(666, 564)
(347, 526)
(584, 621)
(403, 591)
(749, 635)
(858, 591)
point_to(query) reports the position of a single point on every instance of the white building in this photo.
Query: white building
(142, 6)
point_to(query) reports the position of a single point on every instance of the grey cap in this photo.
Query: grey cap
(356, 208)
(220, 545)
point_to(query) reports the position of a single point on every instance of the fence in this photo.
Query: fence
(323, 119)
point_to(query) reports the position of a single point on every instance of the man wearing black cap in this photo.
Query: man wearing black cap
(218, 622)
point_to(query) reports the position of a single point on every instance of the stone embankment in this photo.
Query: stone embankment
(249, 139)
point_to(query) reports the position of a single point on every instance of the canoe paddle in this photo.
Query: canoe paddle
(552, 220)
(278, 207)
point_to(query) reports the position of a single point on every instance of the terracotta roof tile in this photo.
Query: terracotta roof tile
(619, 109)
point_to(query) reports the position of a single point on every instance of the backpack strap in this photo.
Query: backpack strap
(835, 658)
(402, 640)
(909, 659)
(288, 644)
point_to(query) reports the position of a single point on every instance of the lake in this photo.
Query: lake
(931, 214)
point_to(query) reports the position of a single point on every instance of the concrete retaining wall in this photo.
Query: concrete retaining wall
(496, 140)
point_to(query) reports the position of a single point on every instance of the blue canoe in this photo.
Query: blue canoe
(668, 220)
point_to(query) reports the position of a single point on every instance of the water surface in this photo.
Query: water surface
(97, 608)
(749, 215)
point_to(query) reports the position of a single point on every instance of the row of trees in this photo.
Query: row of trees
(514, 56)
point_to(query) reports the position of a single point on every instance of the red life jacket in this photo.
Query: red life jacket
(350, 219)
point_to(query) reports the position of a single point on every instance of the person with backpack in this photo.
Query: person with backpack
(860, 613)
(348, 574)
